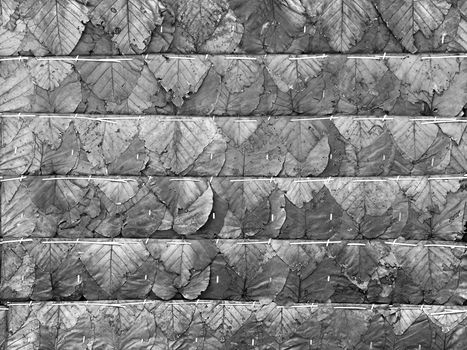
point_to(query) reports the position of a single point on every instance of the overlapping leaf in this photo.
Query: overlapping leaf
(433, 268)
(57, 24)
(126, 328)
(270, 26)
(237, 74)
(110, 264)
(10, 41)
(179, 75)
(367, 85)
(49, 74)
(425, 77)
(342, 21)
(406, 18)
(16, 88)
(7, 8)
(178, 143)
(413, 139)
(237, 130)
(131, 22)
(63, 99)
(190, 202)
(182, 259)
(291, 73)
(199, 19)
(112, 81)
(450, 102)
(364, 198)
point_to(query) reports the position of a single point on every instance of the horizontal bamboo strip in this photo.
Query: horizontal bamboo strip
(256, 57)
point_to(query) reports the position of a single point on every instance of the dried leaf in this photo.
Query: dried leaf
(270, 26)
(63, 195)
(118, 192)
(419, 334)
(243, 195)
(49, 74)
(298, 256)
(412, 138)
(237, 130)
(25, 336)
(360, 133)
(291, 73)
(346, 330)
(314, 164)
(453, 130)
(449, 224)
(185, 259)
(242, 103)
(359, 262)
(16, 87)
(63, 99)
(428, 194)
(181, 76)
(17, 146)
(20, 278)
(200, 18)
(227, 36)
(452, 101)
(104, 143)
(448, 321)
(273, 273)
(364, 198)
(124, 330)
(144, 93)
(226, 319)
(462, 34)
(342, 21)
(198, 283)
(367, 85)
(190, 202)
(145, 217)
(174, 320)
(430, 268)
(246, 260)
(193, 217)
(425, 76)
(16, 208)
(177, 143)
(459, 156)
(111, 81)
(406, 18)
(57, 24)
(65, 157)
(240, 74)
(109, 264)
(7, 8)
(130, 21)
(10, 41)
(297, 192)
